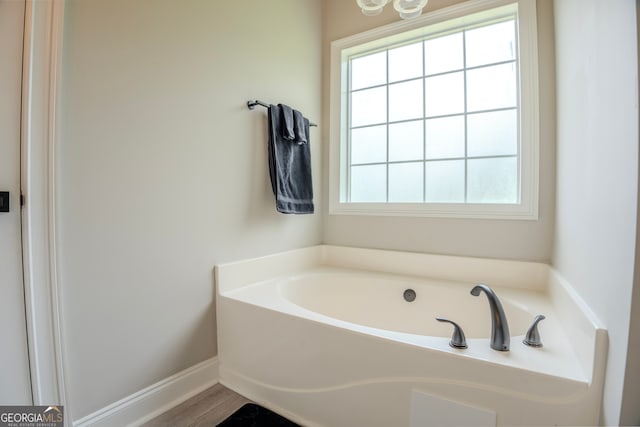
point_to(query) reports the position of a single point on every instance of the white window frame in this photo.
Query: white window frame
(460, 15)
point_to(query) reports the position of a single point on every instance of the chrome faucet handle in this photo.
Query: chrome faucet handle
(457, 339)
(532, 338)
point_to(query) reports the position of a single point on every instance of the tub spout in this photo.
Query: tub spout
(500, 338)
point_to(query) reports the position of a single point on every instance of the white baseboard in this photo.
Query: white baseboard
(152, 401)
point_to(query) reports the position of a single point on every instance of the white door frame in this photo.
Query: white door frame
(39, 143)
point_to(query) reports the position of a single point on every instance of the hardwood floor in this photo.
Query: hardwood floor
(206, 409)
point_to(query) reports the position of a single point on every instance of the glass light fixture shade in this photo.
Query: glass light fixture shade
(371, 4)
(409, 8)
(372, 7)
(371, 12)
(411, 15)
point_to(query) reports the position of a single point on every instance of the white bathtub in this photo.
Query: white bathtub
(324, 336)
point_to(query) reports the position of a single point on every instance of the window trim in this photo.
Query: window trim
(439, 20)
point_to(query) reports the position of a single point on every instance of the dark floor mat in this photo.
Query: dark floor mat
(252, 415)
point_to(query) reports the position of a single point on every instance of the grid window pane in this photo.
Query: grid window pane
(369, 107)
(369, 145)
(370, 70)
(445, 137)
(493, 180)
(492, 87)
(406, 141)
(369, 183)
(445, 181)
(491, 44)
(405, 62)
(437, 120)
(444, 94)
(405, 100)
(405, 182)
(443, 54)
(493, 134)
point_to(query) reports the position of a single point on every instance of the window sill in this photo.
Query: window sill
(438, 210)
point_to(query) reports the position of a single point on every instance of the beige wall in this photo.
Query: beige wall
(526, 240)
(631, 393)
(597, 103)
(163, 174)
(630, 414)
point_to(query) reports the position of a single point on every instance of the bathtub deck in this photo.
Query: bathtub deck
(205, 409)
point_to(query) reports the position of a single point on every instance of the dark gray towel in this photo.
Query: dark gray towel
(287, 125)
(289, 168)
(300, 127)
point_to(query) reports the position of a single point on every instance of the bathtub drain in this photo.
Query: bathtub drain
(409, 295)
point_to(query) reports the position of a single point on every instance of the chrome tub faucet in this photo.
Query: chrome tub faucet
(500, 338)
